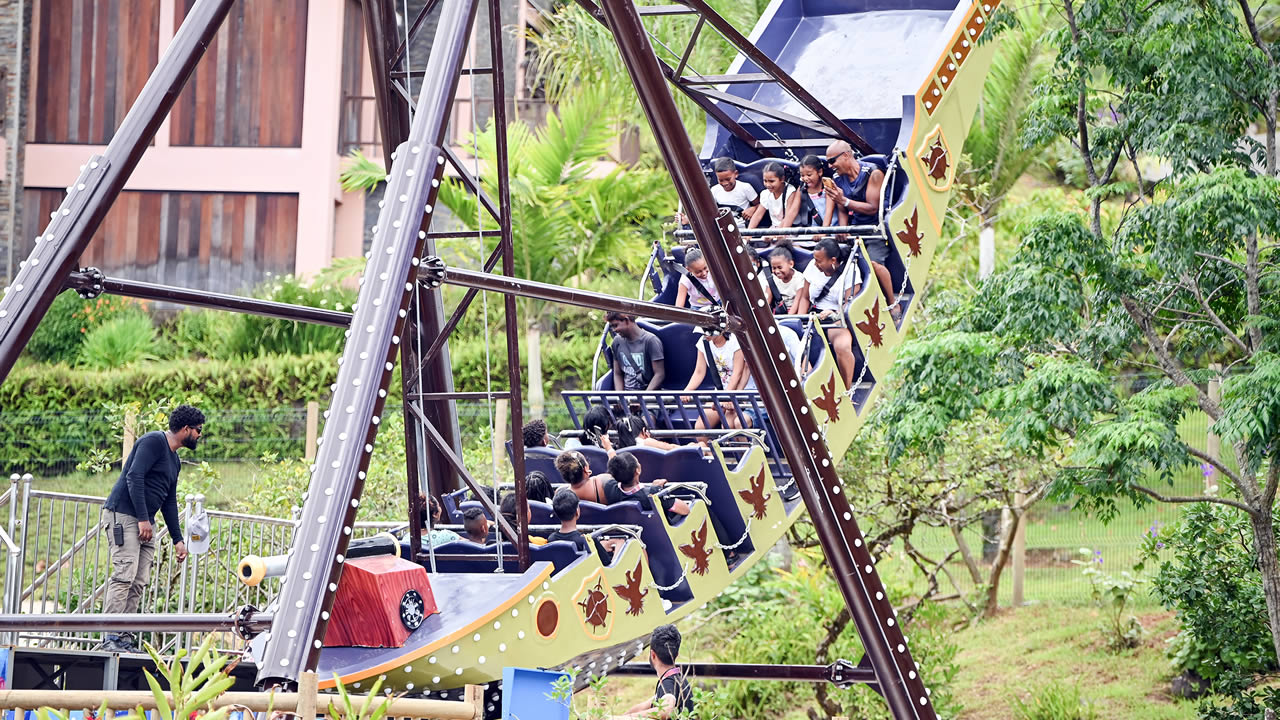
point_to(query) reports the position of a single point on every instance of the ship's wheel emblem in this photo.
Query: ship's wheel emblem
(411, 609)
(593, 607)
(935, 159)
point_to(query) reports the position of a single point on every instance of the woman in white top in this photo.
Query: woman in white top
(700, 295)
(726, 354)
(779, 199)
(833, 279)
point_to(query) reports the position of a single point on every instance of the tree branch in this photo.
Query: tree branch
(1171, 365)
(1215, 462)
(1253, 28)
(1273, 479)
(1183, 499)
(1194, 287)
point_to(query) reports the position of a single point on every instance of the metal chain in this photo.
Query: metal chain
(683, 572)
(745, 534)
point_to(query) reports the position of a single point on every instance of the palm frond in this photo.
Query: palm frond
(361, 173)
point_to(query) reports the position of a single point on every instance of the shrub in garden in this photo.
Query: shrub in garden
(1208, 577)
(69, 320)
(254, 335)
(1054, 702)
(121, 341)
(1113, 593)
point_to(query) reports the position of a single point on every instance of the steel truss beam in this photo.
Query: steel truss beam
(733, 269)
(841, 673)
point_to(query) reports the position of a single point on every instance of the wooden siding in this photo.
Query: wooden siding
(222, 242)
(92, 58)
(248, 89)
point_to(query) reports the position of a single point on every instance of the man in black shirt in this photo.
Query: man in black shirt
(148, 483)
(672, 698)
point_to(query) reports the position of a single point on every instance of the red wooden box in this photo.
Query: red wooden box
(380, 601)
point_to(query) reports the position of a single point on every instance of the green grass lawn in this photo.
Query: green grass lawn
(1027, 650)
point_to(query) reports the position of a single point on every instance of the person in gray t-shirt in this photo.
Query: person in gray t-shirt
(637, 355)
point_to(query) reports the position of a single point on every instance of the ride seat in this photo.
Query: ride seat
(687, 464)
(482, 558)
(664, 562)
(680, 356)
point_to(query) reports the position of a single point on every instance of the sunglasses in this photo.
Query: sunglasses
(836, 157)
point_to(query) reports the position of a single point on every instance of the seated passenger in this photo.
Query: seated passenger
(637, 355)
(737, 196)
(565, 505)
(779, 200)
(476, 525)
(596, 425)
(696, 287)
(576, 471)
(789, 282)
(857, 190)
(429, 516)
(722, 351)
(815, 211)
(508, 510)
(834, 278)
(633, 430)
(535, 434)
(537, 487)
(625, 485)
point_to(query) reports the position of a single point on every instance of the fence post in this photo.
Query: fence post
(1213, 444)
(308, 686)
(129, 434)
(313, 422)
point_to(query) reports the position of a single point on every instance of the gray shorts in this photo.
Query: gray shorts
(877, 249)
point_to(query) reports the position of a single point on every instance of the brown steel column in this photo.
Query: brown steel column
(508, 268)
(733, 268)
(59, 248)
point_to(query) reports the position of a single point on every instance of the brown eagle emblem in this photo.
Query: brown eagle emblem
(910, 235)
(872, 325)
(696, 550)
(827, 401)
(631, 592)
(935, 162)
(756, 496)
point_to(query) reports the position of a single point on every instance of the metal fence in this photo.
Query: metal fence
(58, 562)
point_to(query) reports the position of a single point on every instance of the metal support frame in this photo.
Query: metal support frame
(241, 621)
(320, 540)
(733, 269)
(840, 673)
(58, 249)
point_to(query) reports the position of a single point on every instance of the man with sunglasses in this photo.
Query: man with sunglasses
(148, 483)
(857, 189)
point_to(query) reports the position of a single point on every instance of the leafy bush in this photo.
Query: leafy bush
(810, 602)
(1054, 702)
(202, 333)
(1210, 580)
(119, 342)
(1239, 701)
(254, 335)
(70, 318)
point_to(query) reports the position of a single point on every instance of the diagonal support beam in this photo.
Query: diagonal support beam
(57, 251)
(337, 479)
(798, 432)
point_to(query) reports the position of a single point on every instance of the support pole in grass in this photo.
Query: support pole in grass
(1019, 549)
(130, 434)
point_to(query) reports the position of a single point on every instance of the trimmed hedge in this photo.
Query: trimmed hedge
(52, 416)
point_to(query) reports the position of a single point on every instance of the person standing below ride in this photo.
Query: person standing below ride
(637, 355)
(696, 288)
(815, 211)
(148, 483)
(737, 196)
(624, 484)
(723, 352)
(673, 697)
(782, 262)
(857, 190)
(833, 279)
(780, 201)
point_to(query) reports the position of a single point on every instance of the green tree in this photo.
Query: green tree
(996, 155)
(571, 214)
(1185, 277)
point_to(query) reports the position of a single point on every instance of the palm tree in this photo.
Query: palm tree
(570, 219)
(997, 156)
